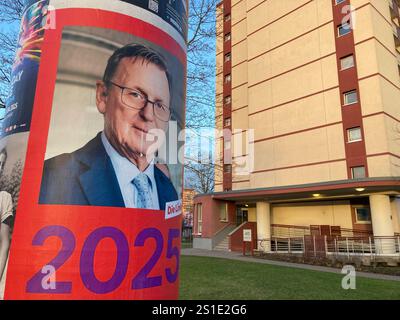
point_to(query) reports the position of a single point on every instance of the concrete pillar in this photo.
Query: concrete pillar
(263, 212)
(382, 224)
(396, 214)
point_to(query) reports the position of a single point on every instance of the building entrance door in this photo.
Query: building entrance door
(245, 215)
(241, 216)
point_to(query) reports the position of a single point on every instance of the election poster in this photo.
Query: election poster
(91, 179)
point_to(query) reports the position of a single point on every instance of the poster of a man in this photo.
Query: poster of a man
(6, 215)
(117, 168)
(12, 159)
(102, 157)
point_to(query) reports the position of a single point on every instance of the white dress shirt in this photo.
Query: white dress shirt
(6, 206)
(126, 171)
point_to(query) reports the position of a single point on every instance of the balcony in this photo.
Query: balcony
(398, 62)
(394, 9)
(396, 34)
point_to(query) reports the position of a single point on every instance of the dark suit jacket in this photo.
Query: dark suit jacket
(87, 177)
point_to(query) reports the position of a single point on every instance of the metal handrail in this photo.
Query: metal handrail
(292, 230)
(237, 228)
(348, 246)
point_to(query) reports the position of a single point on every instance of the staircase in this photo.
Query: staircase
(223, 245)
(221, 239)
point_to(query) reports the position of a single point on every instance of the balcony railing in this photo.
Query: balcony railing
(396, 34)
(292, 231)
(317, 246)
(394, 9)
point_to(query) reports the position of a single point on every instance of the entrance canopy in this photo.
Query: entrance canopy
(336, 189)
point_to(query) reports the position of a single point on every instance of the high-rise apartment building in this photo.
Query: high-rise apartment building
(315, 86)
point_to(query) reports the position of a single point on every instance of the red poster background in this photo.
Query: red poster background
(26, 259)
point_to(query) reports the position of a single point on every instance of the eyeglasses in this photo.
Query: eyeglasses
(137, 100)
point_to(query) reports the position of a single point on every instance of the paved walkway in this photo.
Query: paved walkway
(240, 257)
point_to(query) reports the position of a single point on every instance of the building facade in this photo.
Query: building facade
(310, 90)
(187, 206)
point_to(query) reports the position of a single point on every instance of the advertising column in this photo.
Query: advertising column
(90, 182)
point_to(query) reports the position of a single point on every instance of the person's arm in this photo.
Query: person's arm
(4, 246)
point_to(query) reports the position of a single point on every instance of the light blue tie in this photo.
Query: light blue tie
(144, 198)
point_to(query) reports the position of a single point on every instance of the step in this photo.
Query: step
(223, 245)
(221, 249)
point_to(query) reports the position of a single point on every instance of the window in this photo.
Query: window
(344, 28)
(228, 100)
(227, 57)
(223, 212)
(227, 17)
(358, 172)
(350, 97)
(227, 37)
(228, 78)
(339, 1)
(354, 134)
(347, 62)
(363, 215)
(227, 122)
(227, 168)
(199, 218)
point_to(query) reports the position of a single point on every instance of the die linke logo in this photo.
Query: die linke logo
(173, 209)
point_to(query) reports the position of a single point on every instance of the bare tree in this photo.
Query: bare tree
(11, 10)
(200, 176)
(201, 64)
(10, 15)
(201, 101)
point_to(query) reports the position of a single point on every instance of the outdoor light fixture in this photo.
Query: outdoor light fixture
(246, 205)
(360, 189)
(316, 195)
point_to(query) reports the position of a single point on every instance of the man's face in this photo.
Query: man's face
(125, 127)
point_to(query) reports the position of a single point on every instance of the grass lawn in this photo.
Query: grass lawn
(215, 278)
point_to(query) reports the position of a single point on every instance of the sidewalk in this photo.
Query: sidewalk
(240, 257)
